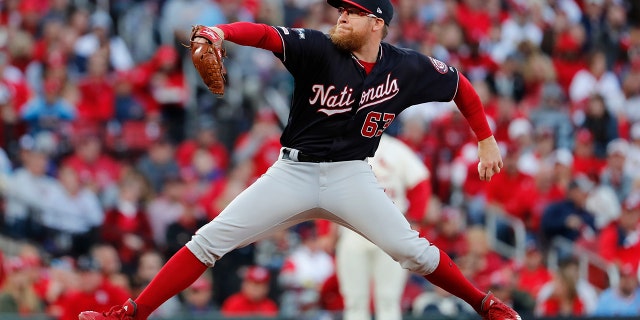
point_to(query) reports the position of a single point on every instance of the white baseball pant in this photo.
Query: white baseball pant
(291, 192)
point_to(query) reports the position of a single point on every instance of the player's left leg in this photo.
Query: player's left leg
(356, 200)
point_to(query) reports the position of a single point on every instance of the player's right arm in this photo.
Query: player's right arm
(249, 34)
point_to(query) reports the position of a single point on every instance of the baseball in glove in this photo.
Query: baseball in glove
(207, 57)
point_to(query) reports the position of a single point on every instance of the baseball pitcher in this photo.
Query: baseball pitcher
(349, 86)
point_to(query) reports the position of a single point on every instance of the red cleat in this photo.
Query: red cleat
(123, 312)
(494, 309)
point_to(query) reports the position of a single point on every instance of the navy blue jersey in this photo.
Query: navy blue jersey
(339, 112)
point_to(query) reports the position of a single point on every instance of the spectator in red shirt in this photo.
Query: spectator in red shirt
(532, 274)
(261, 144)
(501, 189)
(619, 242)
(530, 200)
(97, 95)
(107, 257)
(94, 292)
(252, 300)
(17, 295)
(126, 226)
(473, 17)
(584, 158)
(222, 191)
(566, 55)
(480, 260)
(96, 169)
(169, 90)
(449, 233)
(205, 138)
(477, 64)
(451, 133)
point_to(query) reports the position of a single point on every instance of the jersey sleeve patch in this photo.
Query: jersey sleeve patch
(440, 66)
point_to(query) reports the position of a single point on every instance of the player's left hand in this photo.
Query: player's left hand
(490, 158)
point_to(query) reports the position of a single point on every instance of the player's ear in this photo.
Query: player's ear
(378, 24)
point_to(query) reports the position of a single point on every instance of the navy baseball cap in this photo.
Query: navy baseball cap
(379, 8)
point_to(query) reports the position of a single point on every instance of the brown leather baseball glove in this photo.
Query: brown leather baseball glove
(207, 57)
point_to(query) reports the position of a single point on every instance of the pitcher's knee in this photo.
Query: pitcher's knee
(424, 261)
(202, 249)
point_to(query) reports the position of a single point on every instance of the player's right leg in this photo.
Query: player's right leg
(358, 202)
(279, 199)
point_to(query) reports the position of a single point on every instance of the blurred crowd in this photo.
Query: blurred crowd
(114, 154)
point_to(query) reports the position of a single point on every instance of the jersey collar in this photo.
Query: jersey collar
(379, 56)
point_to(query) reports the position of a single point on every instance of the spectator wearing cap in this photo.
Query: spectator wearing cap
(552, 113)
(632, 164)
(521, 133)
(619, 242)
(23, 190)
(17, 294)
(602, 124)
(158, 163)
(568, 217)
(94, 291)
(198, 297)
(101, 38)
(623, 300)
(532, 273)
(613, 174)
(48, 110)
(585, 160)
(252, 300)
(169, 91)
(449, 232)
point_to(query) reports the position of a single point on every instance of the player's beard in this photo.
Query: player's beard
(350, 41)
